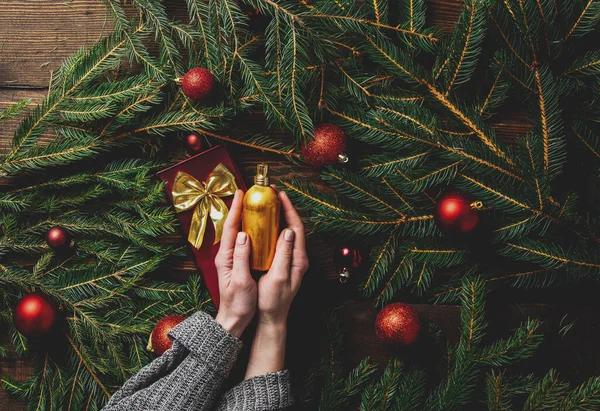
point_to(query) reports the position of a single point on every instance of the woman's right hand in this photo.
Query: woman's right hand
(278, 287)
(276, 290)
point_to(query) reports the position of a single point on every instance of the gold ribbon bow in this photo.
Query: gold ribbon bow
(206, 198)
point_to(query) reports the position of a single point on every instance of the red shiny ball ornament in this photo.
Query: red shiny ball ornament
(198, 83)
(159, 339)
(58, 238)
(327, 146)
(453, 213)
(34, 314)
(193, 143)
(398, 325)
(348, 257)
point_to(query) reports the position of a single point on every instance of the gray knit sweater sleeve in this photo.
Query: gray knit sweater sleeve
(189, 375)
(261, 393)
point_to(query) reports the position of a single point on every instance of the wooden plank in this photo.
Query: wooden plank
(35, 36)
(7, 98)
(573, 353)
(15, 368)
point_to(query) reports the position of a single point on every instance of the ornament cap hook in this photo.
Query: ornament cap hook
(477, 205)
(344, 275)
(343, 158)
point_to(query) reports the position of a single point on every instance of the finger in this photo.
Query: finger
(241, 258)
(230, 229)
(232, 223)
(294, 222)
(283, 255)
(292, 218)
(299, 256)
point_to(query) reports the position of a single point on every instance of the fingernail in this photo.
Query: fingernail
(288, 235)
(241, 238)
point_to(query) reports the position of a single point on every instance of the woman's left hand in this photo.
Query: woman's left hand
(237, 288)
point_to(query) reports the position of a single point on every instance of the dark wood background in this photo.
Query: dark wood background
(35, 35)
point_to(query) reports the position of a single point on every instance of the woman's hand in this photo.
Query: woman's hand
(276, 290)
(237, 288)
(278, 287)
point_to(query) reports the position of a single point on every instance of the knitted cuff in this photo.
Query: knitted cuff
(262, 393)
(203, 336)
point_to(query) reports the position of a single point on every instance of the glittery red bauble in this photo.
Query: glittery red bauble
(193, 143)
(398, 325)
(198, 83)
(327, 146)
(57, 238)
(159, 340)
(34, 314)
(454, 213)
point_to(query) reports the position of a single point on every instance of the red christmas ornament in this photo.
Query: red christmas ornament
(159, 340)
(198, 83)
(398, 325)
(327, 146)
(58, 238)
(348, 258)
(193, 143)
(455, 213)
(34, 314)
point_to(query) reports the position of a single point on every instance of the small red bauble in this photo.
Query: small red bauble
(455, 213)
(198, 83)
(159, 339)
(193, 143)
(58, 238)
(327, 146)
(398, 325)
(348, 259)
(34, 314)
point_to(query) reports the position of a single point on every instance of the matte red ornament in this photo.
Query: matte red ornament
(34, 314)
(58, 238)
(159, 339)
(193, 143)
(398, 325)
(198, 83)
(327, 146)
(455, 213)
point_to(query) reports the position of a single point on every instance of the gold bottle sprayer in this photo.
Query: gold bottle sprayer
(260, 219)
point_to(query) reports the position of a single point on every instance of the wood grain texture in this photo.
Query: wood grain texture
(7, 98)
(574, 354)
(36, 35)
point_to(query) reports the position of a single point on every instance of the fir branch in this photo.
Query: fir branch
(13, 110)
(465, 44)
(473, 325)
(521, 345)
(584, 397)
(585, 66)
(586, 21)
(547, 393)
(382, 256)
(99, 58)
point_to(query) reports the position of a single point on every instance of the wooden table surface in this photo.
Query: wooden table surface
(35, 35)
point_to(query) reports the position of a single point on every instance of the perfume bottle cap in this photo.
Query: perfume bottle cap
(261, 178)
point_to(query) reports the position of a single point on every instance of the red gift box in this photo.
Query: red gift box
(199, 167)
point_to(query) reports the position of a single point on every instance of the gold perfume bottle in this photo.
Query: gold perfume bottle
(260, 219)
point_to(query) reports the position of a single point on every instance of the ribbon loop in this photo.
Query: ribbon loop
(205, 198)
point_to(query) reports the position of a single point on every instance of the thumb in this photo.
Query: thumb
(241, 257)
(283, 254)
